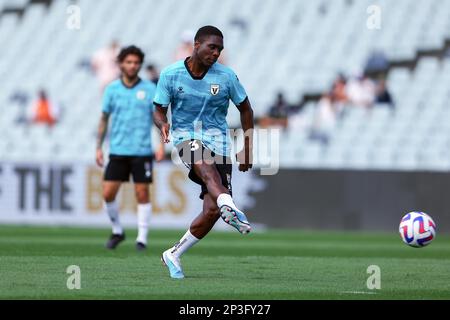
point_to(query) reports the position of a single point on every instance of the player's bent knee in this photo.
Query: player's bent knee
(109, 196)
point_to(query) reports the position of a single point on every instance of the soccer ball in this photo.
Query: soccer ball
(417, 229)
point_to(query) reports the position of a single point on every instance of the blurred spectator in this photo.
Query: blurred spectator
(43, 110)
(278, 113)
(280, 108)
(361, 91)
(186, 46)
(152, 73)
(21, 99)
(104, 64)
(383, 95)
(240, 23)
(376, 63)
(338, 90)
(325, 118)
(447, 53)
(223, 57)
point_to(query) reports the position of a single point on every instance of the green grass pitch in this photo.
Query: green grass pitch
(225, 265)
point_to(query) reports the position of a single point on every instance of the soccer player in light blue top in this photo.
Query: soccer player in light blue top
(199, 91)
(129, 102)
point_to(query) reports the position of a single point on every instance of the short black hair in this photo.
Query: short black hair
(130, 50)
(207, 31)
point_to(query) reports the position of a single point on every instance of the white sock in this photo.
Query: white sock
(187, 241)
(112, 209)
(144, 212)
(225, 199)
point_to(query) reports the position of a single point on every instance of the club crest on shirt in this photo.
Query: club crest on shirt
(215, 88)
(140, 95)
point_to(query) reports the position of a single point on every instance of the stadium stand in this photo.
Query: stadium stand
(297, 47)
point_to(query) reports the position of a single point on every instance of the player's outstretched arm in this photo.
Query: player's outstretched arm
(160, 120)
(102, 128)
(245, 157)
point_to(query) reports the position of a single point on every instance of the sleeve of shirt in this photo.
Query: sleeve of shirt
(237, 91)
(107, 101)
(162, 95)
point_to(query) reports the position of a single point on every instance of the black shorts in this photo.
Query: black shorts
(119, 168)
(195, 151)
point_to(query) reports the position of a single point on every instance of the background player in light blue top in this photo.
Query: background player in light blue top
(131, 111)
(198, 91)
(129, 102)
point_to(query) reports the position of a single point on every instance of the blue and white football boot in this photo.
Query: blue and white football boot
(235, 218)
(173, 264)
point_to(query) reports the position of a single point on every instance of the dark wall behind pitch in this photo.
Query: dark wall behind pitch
(351, 200)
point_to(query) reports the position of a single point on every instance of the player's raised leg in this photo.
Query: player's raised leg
(143, 213)
(206, 220)
(229, 212)
(110, 190)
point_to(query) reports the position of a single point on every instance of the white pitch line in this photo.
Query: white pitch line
(358, 292)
